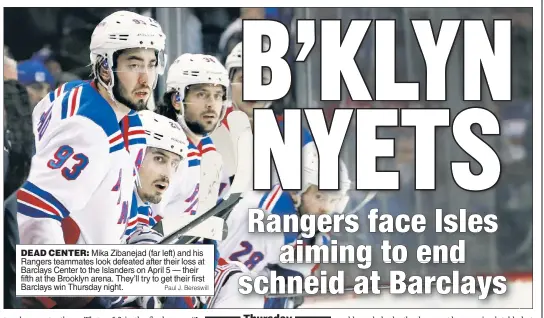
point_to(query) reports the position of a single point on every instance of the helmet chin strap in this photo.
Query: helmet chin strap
(182, 122)
(109, 86)
(109, 89)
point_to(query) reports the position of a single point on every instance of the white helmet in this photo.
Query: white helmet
(164, 133)
(234, 60)
(126, 30)
(310, 176)
(191, 69)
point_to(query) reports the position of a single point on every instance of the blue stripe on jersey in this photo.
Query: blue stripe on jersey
(143, 211)
(137, 141)
(194, 162)
(67, 87)
(152, 222)
(117, 147)
(206, 141)
(64, 112)
(306, 134)
(222, 187)
(134, 119)
(42, 199)
(51, 96)
(262, 200)
(268, 195)
(284, 205)
(97, 109)
(326, 240)
(289, 237)
(32, 212)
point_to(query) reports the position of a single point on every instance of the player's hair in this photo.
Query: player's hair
(165, 107)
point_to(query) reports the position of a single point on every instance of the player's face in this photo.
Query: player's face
(203, 104)
(247, 106)
(318, 202)
(134, 76)
(155, 173)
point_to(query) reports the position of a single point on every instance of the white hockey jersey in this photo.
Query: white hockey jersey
(258, 251)
(182, 194)
(140, 214)
(82, 176)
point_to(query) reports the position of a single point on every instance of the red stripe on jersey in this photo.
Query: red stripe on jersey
(59, 90)
(207, 150)
(222, 261)
(126, 125)
(70, 230)
(37, 202)
(227, 112)
(137, 132)
(73, 101)
(272, 198)
(138, 220)
(115, 139)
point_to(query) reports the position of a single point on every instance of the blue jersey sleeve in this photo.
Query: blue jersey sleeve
(279, 202)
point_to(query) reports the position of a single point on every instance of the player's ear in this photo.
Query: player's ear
(176, 101)
(104, 72)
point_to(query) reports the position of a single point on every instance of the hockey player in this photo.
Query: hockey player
(260, 252)
(166, 153)
(234, 69)
(196, 98)
(90, 137)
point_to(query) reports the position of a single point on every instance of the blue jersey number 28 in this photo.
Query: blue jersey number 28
(254, 258)
(62, 155)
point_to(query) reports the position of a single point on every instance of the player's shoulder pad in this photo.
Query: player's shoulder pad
(276, 201)
(78, 131)
(85, 101)
(63, 89)
(306, 134)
